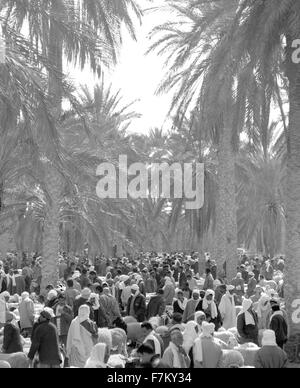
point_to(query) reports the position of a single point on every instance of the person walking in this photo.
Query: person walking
(247, 323)
(270, 355)
(227, 308)
(45, 342)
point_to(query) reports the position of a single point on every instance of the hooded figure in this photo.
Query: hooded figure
(98, 358)
(82, 336)
(227, 308)
(263, 311)
(247, 323)
(207, 353)
(209, 307)
(189, 335)
(26, 311)
(270, 355)
(278, 324)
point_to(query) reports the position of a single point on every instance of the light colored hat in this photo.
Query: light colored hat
(124, 278)
(230, 287)
(52, 294)
(269, 338)
(208, 329)
(135, 287)
(86, 293)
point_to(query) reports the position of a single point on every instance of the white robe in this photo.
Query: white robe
(228, 312)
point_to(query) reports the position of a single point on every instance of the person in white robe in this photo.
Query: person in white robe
(80, 339)
(227, 308)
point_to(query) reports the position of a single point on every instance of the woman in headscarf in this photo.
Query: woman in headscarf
(263, 311)
(247, 324)
(209, 307)
(227, 308)
(82, 336)
(180, 303)
(98, 358)
(207, 353)
(169, 291)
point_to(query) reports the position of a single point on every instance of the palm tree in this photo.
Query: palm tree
(83, 32)
(194, 60)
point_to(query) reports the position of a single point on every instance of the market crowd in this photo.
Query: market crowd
(152, 311)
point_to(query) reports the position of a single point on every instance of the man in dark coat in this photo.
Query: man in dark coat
(156, 305)
(45, 342)
(247, 324)
(278, 324)
(136, 306)
(11, 336)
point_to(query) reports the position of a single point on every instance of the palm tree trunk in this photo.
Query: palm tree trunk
(292, 268)
(52, 177)
(226, 224)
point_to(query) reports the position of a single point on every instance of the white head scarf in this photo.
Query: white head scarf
(206, 303)
(25, 295)
(269, 338)
(97, 359)
(83, 313)
(52, 294)
(105, 336)
(247, 303)
(189, 335)
(207, 332)
(263, 305)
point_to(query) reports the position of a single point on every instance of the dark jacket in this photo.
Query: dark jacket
(156, 306)
(139, 307)
(176, 308)
(45, 343)
(217, 321)
(247, 333)
(79, 302)
(66, 318)
(278, 324)
(12, 339)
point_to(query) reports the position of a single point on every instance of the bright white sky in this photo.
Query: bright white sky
(138, 75)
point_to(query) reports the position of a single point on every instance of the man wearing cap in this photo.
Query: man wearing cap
(45, 342)
(136, 306)
(227, 308)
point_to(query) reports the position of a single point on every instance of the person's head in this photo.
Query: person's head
(52, 294)
(46, 315)
(176, 337)
(86, 293)
(251, 275)
(239, 275)
(269, 338)
(208, 329)
(146, 352)
(105, 337)
(180, 295)
(230, 289)
(135, 289)
(70, 283)
(5, 296)
(177, 318)
(10, 317)
(93, 275)
(61, 300)
(209, 296)
(207, 271)
(246, 304)
(49, 287)
(275, 306)
(147, 328)
(196, 294)
(200, 317)
(233, 359)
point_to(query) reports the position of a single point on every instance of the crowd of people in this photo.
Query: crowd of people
(151, 311)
